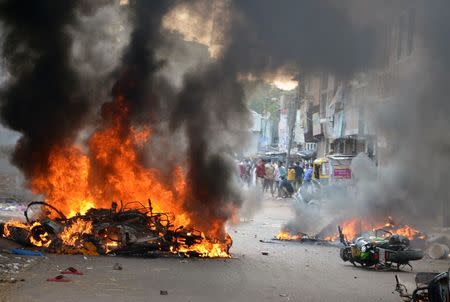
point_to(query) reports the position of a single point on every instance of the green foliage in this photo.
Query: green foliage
(263, 98)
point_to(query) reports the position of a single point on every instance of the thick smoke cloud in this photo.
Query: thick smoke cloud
(41, 100)
(411, 183)
(139, 61)
(418, 125)
(212, 109)
(315, 35)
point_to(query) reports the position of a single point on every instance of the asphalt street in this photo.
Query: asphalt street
(290, 272)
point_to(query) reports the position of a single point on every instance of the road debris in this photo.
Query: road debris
(117, 267)
(163, 292)
(25, 252)
(59, 278)
(265, 253)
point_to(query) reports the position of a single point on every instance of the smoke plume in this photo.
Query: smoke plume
(41, 100)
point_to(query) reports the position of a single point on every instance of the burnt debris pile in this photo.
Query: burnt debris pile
(131, 229)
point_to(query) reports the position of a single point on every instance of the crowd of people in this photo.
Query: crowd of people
(273, 177)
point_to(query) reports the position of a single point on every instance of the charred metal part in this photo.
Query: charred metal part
(62, 216)
(136, 231)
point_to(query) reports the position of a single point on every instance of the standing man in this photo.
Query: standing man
(298, 175)
(276, 178)
(260, 173)
(282, 169)
(269, 177)
(291, 175)
(282, 173)
(308, 175)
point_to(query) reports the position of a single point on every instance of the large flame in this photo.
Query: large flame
(110, 170)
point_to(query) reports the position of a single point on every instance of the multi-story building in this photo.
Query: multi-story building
(339, 116)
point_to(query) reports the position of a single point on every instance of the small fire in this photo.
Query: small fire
(355, 227)
(207, 249)
(352, 228)
(8, 227)
(72, 234)
(37, 238)
(285, 235)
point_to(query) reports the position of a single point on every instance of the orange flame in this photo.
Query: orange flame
(284, 235)
(354, 227)
(78, 180)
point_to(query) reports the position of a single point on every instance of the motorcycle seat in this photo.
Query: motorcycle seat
(425, 278)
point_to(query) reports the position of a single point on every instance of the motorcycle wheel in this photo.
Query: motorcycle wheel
(403, 257)
(345, 254)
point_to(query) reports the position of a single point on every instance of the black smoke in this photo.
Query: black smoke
(41, 99)
(139, 62)
(313, 35)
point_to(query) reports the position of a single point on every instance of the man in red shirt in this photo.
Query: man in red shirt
(260, 173)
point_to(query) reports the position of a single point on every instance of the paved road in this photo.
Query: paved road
(291, 272)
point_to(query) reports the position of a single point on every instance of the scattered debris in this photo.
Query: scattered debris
(283, 295)
(117, 267)
(59, 278)
(163, 292)
(265, 253)
(25, 252)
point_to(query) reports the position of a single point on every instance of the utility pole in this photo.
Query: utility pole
(292, 115)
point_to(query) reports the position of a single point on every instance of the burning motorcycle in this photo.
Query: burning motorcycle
(382, 252)
(430, 287)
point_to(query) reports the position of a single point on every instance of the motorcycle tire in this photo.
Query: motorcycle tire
(345, 254)
(403, 257)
